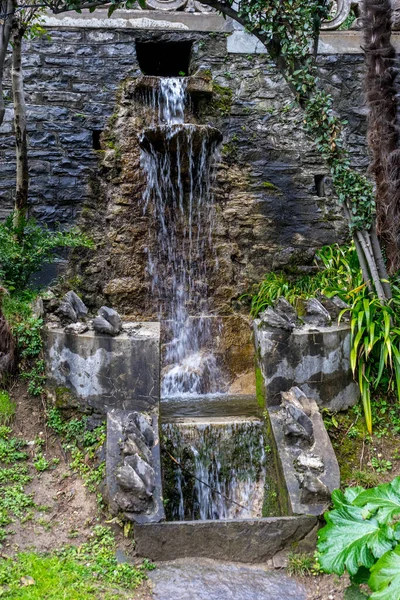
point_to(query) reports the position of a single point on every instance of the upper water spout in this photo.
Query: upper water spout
(172, 100)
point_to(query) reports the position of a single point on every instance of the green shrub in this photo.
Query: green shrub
(24, 251)
(338, 273)
(7, 408)
(361, 536)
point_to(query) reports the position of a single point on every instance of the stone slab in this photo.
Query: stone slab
(330, 43)
(104, 372)
(177, 410)
(245, 540)
(316, 359)
(208, 580)
(139, 19)
(322, 447)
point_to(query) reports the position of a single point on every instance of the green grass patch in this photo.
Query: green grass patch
(90, 571)
(83, 445)
(7, 408)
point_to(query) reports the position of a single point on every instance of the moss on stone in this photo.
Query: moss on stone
(260, 388)
(269, 186)
(222, 99)
(276, 498)
(64, 398)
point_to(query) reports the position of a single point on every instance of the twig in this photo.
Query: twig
(351, 426)
(362, 454)
(204, 483)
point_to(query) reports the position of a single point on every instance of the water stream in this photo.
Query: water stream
(179, 161)
(221, 472)
(211, 470)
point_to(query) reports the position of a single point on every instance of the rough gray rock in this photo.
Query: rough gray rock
(76, 328)
(297, 423)
(272, 318)
(107, 321)
(286, 310)
(309, 467)
(334, 306)
(208, 580)
(66, 313)
(112, 317)
(70, 309)
(101, 325)
(76, 303)
(315, 313)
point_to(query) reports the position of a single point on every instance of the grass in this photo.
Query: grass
(301, 564)
(7, 408)
(83, 446)
(89, 571)
(14, 502)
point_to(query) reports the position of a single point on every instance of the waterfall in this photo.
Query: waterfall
(179, 160)
(222, 473)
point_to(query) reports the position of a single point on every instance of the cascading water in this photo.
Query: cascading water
(210, 471)
(179, 161)
(221, 472)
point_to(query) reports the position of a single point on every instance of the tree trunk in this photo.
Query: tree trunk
(7, 11)
(21, 147)
(383, 127)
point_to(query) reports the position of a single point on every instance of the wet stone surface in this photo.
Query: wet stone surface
(210, 580)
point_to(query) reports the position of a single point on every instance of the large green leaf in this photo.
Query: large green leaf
(348, 540)
(385, 576)
(347, 497)
(384, 499)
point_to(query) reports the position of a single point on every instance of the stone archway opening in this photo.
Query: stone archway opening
(164, 59)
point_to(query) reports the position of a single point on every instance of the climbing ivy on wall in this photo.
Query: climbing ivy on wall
(289, 30)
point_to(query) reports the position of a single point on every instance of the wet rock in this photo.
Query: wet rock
(76, 328)
(272, 318)
(315, 313)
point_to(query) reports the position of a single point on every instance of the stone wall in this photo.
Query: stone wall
(274, 205)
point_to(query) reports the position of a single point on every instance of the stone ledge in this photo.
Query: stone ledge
(244, 540)
(138, 19)
(330, 42)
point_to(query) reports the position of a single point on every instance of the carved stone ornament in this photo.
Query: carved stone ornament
(343, 8)
(186, 5)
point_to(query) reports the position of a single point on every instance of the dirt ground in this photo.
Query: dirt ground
(67, 510)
